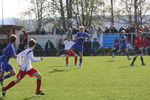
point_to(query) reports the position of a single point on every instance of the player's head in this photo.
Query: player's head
(81, 28)
(32, 43)
(123, 32)
(69, 37)
(12, 38)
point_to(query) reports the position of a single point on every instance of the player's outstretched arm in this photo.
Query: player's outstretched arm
(33, 59)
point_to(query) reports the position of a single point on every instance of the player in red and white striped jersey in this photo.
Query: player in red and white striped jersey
(68, 44)
(26, 68)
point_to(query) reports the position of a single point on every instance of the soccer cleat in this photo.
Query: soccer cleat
(80, 65)
(132, 64)
(40, 93)
(3, 92)
(76, 64)
(67, 64)
(1, 82)
(143, 64)
(113, 56)
(129, 58)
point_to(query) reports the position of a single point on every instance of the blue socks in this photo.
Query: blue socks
(127, 54)
(80, 60)
(7, 76)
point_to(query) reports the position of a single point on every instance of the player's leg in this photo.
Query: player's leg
(142, 60)
(39, 80)
(1, 78)
(10, 74)
(72, 53)
(134, 59)
(127, 54)
(67, 58)
(75, 59)
(20, 76)
(116, 52)
(81, 55)
(2, 71)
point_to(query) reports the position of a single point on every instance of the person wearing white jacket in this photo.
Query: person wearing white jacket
(26, 68)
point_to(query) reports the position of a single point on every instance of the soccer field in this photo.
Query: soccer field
(101, 78)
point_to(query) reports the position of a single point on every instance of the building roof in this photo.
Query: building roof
(10, 27)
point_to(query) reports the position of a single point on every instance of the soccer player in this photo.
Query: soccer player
(26, 68)
(8, 52)
(123, 44)
(68, 44)
(138, 49)
(80, 36)
(116, 46)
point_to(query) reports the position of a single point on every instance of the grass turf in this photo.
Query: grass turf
(101, 78)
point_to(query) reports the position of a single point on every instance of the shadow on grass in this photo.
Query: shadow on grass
(29, 98)
(111, 61)
(124, 66)
(61, 70)
(56, 66)
(2, 98)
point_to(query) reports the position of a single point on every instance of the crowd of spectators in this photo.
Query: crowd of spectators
(112, 29)
(90, 47)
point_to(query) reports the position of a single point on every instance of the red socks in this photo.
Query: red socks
(38, 85)
(76, 58)
(11, 84)
(67, 60)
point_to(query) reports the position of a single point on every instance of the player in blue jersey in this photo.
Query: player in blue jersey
(80, 36)
(123, 45)
(5, 66)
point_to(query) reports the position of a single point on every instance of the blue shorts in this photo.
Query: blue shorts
(123, 46)
(5, 67)
(77, 47)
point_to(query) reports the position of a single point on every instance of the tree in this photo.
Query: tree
(38, 8)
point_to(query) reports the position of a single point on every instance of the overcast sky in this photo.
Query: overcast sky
(13, 8)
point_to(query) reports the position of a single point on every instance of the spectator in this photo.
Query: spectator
(121, 28)
(74, 30)
(21, 47)
(86, 30)
(62, 31)
(61, 47)
(87, 47)
(43, 32)
(91, 30)
(133, 28)
(49, 48)
(69, 31)
(99, 31)
(56, 30)
(146, 28)
(38, 51)
(95, 45)
(113, 29)
(141, 28)
(107, 30)
(25, 38)
(128, 30)
(37, 31)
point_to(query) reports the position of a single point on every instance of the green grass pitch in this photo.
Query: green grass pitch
(101, 78)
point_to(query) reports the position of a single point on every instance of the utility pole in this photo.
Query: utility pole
(112, 12)
(2, 14)
(135, 12)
